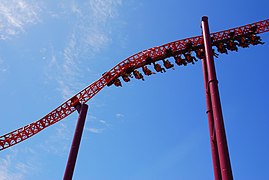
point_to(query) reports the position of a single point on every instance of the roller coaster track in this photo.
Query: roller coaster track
(135, 61)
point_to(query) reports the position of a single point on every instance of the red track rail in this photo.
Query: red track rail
(136, 61)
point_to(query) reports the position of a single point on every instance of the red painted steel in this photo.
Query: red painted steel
(135, 61)
(225, 165)
(70, 166)
(212, 133)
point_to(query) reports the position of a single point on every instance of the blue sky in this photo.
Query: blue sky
(151, 130)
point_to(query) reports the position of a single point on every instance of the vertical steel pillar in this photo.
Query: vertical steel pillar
(212, 134)
(225, 165)
(70, 166)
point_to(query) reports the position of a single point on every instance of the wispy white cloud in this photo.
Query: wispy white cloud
(88, 36)
(68, 80)
(15, 15)
(100, 13)
(58, 144)
(104, 122)
(102, 10)
(119, 115)
(96, 125)
(12, 168)
(75, 8)
(3, 66)
(4, 69)
(94, 130)
(5, 170)
(95, 40)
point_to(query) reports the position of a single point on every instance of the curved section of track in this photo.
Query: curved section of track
(135, 61)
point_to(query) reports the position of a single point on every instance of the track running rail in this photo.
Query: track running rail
(135, 61)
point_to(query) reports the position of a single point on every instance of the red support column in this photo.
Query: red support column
(70, 166)
(225, 165)
(212, 134)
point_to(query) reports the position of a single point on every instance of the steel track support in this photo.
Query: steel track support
(70, 166)
(212, 132)
(212, 85)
